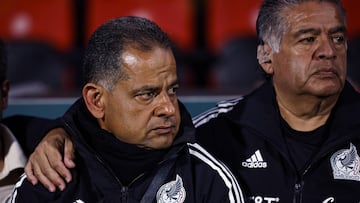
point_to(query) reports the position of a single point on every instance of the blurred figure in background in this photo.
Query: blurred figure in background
(15, 147)
(12, 157)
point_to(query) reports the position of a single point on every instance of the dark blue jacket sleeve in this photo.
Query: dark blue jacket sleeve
(30, 130)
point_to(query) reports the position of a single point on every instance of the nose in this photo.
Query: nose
(326, 49)
(166, 105)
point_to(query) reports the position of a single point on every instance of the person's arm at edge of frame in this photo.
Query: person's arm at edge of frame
(50, 150)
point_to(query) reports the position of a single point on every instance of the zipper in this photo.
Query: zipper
(299, 185)
(298, 192)
(124, 193)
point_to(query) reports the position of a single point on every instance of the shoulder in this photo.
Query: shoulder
(216, 168)
(220, 108)
(24, 191)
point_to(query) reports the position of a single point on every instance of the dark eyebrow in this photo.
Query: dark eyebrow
(306, 31)
(340, 29)
(149, 88)
(176, 82)
(146, 88)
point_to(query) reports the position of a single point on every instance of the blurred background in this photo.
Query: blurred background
(214, 42)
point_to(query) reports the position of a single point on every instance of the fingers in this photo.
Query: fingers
(29, 173)
(69, 153)
(46, 164)
(36, 172)
(69, 156)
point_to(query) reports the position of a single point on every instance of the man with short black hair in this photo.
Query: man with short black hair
(135, 142)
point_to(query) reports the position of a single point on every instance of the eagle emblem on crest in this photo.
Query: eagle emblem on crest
(346, 164)
(172, 192)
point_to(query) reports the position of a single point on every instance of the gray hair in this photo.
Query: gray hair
(271, 23)
(102, 60)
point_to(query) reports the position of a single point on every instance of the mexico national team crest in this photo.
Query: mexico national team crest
(172, 192)
(346, 164)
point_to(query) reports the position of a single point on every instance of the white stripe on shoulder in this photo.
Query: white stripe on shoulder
(221, 107)
(17, 185)
(235, 192)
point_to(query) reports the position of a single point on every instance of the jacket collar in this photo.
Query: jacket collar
(186, 131)
(345, 116)
(86, 134)
(259, 111)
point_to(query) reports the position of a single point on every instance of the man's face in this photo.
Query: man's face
(312, 56)
(143, 109)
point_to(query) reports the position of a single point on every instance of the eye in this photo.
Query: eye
(173, 90)
(308, 40)
(145, 96)
(338, 39)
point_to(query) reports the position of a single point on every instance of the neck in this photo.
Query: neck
(305, 113)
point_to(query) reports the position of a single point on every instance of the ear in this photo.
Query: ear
(94, 99)
(5, 86)
(264, 56)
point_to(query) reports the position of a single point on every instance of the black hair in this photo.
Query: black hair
(102, 61)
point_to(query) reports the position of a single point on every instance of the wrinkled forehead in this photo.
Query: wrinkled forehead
(156, 61)
(314, 11)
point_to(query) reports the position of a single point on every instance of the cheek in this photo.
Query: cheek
(291, 66)
(297, 68)
(343, 64)
(178, 119)
(115, 111)
(128, 125)
(289, 72)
